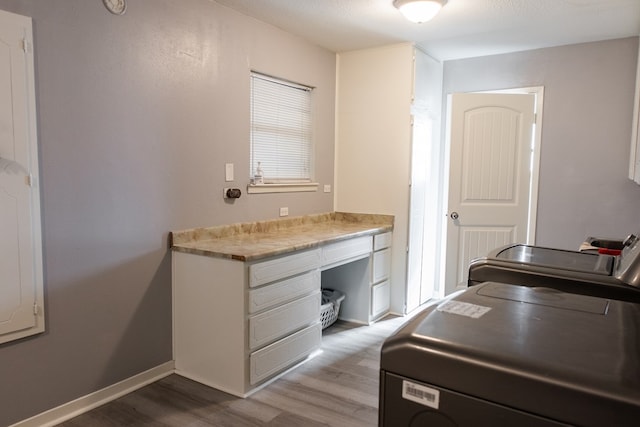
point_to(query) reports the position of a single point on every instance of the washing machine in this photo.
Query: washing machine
(593, 274)
(507, 355)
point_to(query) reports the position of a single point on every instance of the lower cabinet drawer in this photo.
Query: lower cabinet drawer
(271, 325)
(381, 265)
(280, 355)
(345, 250)
(380, 298)
(381, 241)
(281, 292)
(285, 266)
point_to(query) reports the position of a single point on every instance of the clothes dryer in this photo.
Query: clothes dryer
(507, 355)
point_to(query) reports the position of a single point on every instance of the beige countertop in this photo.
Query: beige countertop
(256, 240)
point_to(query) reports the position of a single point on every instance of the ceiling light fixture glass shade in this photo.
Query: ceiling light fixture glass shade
(419, 11)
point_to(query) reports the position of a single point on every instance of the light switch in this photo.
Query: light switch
(327, 188)
(228, 172)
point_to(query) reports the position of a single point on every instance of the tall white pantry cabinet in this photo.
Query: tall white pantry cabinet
(382, 92)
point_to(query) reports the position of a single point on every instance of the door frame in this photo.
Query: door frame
(538, 91)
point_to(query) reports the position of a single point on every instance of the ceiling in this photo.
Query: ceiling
(463, 28)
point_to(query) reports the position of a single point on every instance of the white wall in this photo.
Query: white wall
(373, 137)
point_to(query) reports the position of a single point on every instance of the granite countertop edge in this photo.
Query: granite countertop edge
(258, 240)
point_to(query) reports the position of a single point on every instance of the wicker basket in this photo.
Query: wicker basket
(331, 300)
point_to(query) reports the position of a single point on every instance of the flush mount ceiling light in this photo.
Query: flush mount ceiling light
(419, 11)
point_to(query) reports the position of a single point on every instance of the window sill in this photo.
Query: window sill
(281, 188)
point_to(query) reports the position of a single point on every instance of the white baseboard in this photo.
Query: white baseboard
(93, 400)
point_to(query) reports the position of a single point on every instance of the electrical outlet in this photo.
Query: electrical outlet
(284, 211)
(327, 188)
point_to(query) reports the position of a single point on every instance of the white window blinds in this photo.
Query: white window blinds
(280, 129)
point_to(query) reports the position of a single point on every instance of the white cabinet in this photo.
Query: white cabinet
(283, 324)
(238, 325)
(381, 271)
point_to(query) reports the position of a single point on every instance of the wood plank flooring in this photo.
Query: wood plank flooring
(339, 387)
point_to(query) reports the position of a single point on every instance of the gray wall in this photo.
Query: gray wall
(586, 133)
(137, 115)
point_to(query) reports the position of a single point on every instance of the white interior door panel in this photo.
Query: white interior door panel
(21, 293)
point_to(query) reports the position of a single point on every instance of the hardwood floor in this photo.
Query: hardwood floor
(339, 387)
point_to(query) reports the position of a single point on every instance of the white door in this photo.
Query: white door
(20, 244)
(489, 177)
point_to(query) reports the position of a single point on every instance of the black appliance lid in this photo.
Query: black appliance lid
(533, 256)
(535, 349)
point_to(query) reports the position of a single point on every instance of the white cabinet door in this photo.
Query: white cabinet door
(380, 299)
(20, 245)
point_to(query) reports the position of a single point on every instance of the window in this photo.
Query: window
(281, 142)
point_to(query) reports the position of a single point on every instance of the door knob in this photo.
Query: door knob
(454, 215)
